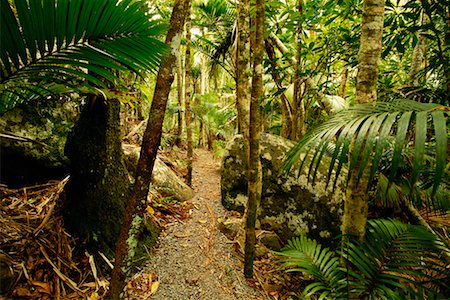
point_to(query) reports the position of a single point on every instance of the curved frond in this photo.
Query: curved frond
(305, 255)
(396, 256)
(73, 41)
(369, 132)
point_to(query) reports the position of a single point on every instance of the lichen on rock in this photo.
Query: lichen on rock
(290, 205)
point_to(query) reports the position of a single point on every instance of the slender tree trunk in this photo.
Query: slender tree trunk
(418, 56)
(343, 84)
(255, 170)
(310, 84)
(299, 106)
(357, 198)
(243, 72)
(369, 51)
(150, 143)
(180, 97)
(286, 110)
(188, 95)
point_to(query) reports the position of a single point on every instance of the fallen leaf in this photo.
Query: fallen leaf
(150, 210)
(94, 296)
(202, 221)
(155, 286)
(42, 286)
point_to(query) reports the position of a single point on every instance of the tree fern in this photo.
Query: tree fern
(55, 46)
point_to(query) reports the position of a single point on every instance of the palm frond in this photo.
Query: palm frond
(397, 256)
(368, 131)
(396, 261)
(306, 255)
(73, 41)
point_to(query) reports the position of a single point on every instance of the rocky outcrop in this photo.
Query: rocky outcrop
(290, 205)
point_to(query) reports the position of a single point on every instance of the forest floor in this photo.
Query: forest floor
(193, 259)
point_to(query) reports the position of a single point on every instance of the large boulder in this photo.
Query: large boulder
(290, 205)
(32, 139)
(164, 180)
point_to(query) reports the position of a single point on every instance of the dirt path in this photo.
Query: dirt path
(194, 260)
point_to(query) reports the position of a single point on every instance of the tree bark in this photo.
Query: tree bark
(150, 143)
(243, 71)
(187, 97)
(299, 128)
(343, 84)
(356, 202)
(286, 109)
(180, 98)
(99, 186)
(369, 51)
(255, 170)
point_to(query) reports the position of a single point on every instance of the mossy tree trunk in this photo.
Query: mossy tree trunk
(357, 198)
(99, 186)
(255, 169)
(150, 142)
(369, 51)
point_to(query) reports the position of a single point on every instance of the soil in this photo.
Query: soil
(194, 260)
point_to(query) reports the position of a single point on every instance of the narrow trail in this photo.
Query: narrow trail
(194, 260)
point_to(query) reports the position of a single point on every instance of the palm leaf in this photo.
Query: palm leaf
(305, 255)
(396, 256)
(369, 132)
(73, 41)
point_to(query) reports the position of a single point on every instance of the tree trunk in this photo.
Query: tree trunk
(180, 98)
(188, 95)
(369, 51)
(357, 198)
(286, 110)
(243, 71)
(298, 130)
(150, 143)
(255, 170)
(343, 82)
(98, 188)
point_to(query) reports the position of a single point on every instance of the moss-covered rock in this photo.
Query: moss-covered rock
(290, 205)
(33, 138)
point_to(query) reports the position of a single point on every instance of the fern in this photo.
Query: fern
(396, 261)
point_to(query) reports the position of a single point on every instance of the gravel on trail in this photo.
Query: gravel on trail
(194, 260)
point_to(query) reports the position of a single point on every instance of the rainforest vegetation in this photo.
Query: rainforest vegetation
(102, 97)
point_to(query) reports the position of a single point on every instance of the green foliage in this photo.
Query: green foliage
(376, 131)
(396, 261)
(56, 46)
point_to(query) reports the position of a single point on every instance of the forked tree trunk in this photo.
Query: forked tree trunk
(99, 187)
(255, 170)
(188, 95)
(357, 198)
(150, 142)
